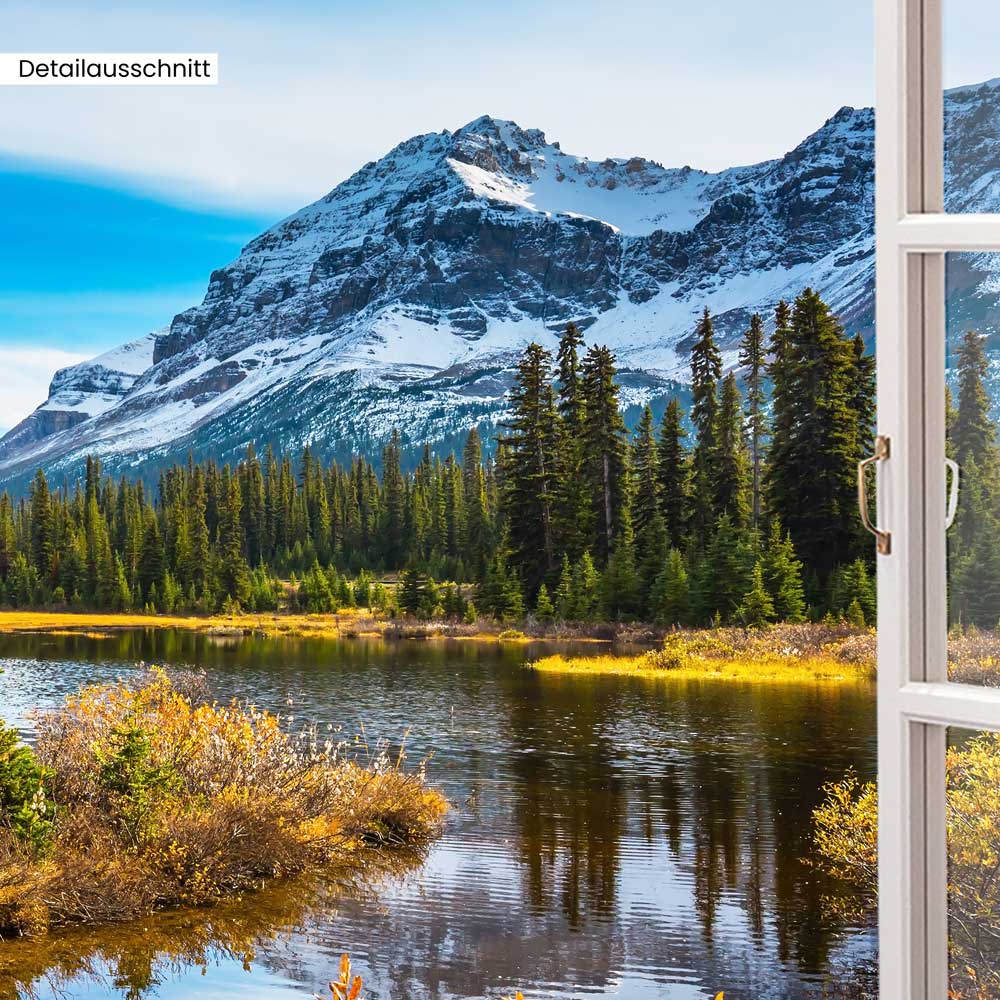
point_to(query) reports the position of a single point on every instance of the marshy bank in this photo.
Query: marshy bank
(779, 654)
(141, 795)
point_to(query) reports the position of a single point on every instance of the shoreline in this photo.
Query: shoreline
(337, 625)
(830, 654)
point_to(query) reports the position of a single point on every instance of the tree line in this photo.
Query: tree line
(740, 509)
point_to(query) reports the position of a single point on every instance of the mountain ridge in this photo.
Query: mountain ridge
(401, 297)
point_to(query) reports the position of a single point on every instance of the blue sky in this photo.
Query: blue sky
(117, 203)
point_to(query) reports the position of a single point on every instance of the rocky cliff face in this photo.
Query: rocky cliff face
(402, 297)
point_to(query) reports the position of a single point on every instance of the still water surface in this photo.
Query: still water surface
(610, 836)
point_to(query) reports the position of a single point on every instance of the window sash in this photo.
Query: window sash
(915, 701)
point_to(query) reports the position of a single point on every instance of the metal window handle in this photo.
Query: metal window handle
(949, 518)
(883, 539)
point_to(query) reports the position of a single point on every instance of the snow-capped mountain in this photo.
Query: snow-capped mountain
(401, 298)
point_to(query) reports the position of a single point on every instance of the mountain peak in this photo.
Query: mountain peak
(503, 130)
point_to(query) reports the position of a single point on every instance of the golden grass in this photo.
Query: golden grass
(71, 623)
(788, 654)
(353, 623)
(768, 669)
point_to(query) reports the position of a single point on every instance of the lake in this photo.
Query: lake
(610, 836)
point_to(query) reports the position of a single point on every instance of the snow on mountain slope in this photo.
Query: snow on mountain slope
(83, 391)
(402, 297)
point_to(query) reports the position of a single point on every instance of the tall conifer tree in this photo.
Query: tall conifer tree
(575, 517)
(674, 475)
(729, 471)
(814, 450)
(706, 371)
(645, 470)
(530, 467)
(605, 449)
(753, 361)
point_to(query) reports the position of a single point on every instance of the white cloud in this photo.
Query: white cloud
(309, 92)
(27, 373)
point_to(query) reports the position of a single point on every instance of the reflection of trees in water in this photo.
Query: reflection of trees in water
(573, 808)
(731, 800)
(135, 959)
(714, 782)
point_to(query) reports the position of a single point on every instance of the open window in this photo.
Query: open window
(933, 580)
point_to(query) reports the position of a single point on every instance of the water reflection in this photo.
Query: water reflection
(136, 960)
(609, 835)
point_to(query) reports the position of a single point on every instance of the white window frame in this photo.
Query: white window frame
(916, 703)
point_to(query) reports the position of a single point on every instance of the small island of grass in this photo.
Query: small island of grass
(143, 796)
(782, 654)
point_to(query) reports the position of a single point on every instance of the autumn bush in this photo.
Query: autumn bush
(845, 836)
(162, 800)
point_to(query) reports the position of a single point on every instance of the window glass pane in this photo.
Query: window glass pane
(973, 443)
(971, 106)
(973, 776)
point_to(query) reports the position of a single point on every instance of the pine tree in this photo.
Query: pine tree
(725, 575)
(197, 571)
(152, 559)
(571, 404)
(853, 583)
(673, 475)
(729, 472)
(8, 541)
(564, 591)
(42, 527)
(779, 371)
(706, 371)
(810, 476)
(412, 588)
(530, 467)
(394, 509)
(605, 449)
(652, 549)
(855, 614)
(477, 518)
(975, 590)
(585, 589)
(234, 574)
(121, 599)
(756, 608)
(500, 593)
(621, 598)
(753, 361)
(671, 600)
(862, 396)
(974, 435)
(543, 605)
(783, 576)
(575, 516)
(645, 471)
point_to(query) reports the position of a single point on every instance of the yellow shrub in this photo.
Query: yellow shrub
(846, 834)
